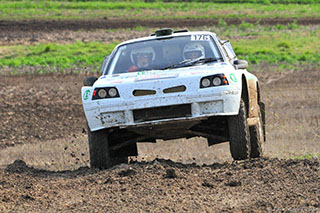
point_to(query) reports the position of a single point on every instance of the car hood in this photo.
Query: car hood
(160, 75)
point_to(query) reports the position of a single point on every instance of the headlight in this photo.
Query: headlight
(102, 93)
(213, 81)
(112, 92)
(216, 81)
(105, 92)
(205, 82)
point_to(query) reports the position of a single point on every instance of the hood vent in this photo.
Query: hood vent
(142, 92)
(181, 88)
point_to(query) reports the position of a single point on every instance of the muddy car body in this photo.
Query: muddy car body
(212, 96)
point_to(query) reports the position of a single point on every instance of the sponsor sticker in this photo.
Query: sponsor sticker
(233, 77)
(86, 95)
(200, 37)
(116, 82)
(156, 77)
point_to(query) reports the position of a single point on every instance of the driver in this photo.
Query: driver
(142, 59)
(193, 51)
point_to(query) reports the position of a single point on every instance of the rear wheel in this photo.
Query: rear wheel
(257, 138)
(239, 135)
(101, 156)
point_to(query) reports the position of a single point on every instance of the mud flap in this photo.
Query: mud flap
(263, 115)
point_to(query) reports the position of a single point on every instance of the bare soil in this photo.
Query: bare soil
(44, 156)
(49, 25)
(164, 186)
(44, 153)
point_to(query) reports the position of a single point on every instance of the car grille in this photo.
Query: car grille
(181, 88)
(141, 92)
(159, 113)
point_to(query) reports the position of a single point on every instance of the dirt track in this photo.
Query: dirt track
(44, 154)
(38, 25)
(162, 186)
(43, 125)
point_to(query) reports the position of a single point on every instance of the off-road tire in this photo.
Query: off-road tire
(99, 149)
(239, 134)
(257, 138)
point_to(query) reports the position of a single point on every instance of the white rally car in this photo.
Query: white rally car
(172, 84)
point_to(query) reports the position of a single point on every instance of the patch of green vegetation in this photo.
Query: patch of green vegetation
(284, 48)
(308, 156)
(277, 47)
(58, 10)
(289, 46)
(215, 1)
(56, 56)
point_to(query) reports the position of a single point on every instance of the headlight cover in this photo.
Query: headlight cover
(105, 92)
(205, 82)
(214, 80)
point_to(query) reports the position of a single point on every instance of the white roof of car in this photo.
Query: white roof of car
(171, 35)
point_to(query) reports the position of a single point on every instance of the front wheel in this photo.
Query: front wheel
(99, 149)
(239, 135)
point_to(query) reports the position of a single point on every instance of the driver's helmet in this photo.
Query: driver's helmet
(193, 50)
(142, 57)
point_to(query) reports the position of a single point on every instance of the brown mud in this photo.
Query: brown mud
(44, 153)
(44, 156)
(262, 185)
(52, 25)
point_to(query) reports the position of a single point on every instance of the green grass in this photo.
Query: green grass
(308, 156)
(279, 47)
(213, 1)
(285, 47)
(55, 57)
(57, 10)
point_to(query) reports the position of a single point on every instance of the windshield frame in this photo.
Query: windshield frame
(116, 49)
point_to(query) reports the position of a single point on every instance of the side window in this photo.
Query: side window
(230, 50)
(104, 63)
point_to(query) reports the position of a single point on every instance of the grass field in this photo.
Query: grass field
(56, 57)
(58, 10)
(282, 46)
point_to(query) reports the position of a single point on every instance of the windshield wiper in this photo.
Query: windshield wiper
(191, 62)
(180, 64)
(207, 60)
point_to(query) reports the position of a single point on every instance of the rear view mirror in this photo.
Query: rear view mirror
(240, 64)
(89, 81)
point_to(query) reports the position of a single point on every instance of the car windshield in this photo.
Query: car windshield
(164, 53)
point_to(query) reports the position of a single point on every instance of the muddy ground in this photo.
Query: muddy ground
(44, 156)
(163, 186)
(44, 153)
(110, 30)
(49, 25)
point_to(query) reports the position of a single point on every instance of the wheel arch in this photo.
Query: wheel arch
(258, 92)
(245, 93)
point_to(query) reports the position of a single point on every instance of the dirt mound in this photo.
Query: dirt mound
(52, 25)
(162, 185)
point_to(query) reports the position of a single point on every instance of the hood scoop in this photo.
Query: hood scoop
(181, 88)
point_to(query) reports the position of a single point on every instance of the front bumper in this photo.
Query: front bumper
(216, 101)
